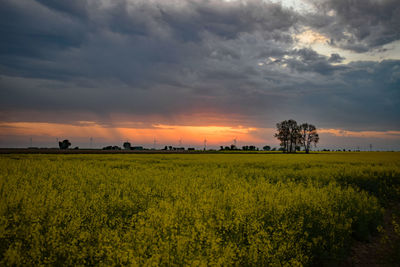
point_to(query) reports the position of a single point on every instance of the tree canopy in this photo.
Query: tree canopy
(293, 136)
(64, 144)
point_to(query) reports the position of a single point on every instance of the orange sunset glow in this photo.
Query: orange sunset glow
(164, 134)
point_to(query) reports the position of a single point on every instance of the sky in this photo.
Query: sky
(190, 72)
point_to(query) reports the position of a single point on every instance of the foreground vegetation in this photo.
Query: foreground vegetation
(200, 209)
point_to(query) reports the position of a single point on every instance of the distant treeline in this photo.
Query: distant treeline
(292, 138)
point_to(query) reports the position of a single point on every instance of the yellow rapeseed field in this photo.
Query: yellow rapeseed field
(191, 209)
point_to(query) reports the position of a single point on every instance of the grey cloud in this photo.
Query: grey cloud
(129, 39)
(77, 8)
(308, 60)
(336, 58)
(361, 98)
(359, 25)
(31, 30)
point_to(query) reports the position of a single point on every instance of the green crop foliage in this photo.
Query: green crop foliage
(191, 209)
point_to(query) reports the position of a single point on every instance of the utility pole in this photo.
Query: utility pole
(205, 144)
(91, 142)
(154, 143)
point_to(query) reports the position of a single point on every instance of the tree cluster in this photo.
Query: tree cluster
(266, 148)
(234, 147)
(293, 136)
(64, 144)
(127, 146)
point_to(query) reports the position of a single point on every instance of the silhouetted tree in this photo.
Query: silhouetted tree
(266, 148)
(289, 135)
(294, 135)
(284, 134)
(127, 145)
(64, 144)
(309, 135)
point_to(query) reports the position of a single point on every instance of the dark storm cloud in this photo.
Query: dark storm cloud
(77, 8)
(138, 42)
(30, 30)
(84, 60)
(358, 25)
(335, 58)
(363, 97)
(131, 41)
(307, 60)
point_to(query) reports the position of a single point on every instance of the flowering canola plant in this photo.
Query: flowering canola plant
(191, 209)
